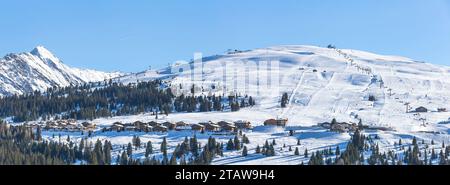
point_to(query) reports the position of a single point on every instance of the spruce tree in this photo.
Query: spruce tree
(244, 151)
(296, 151)
(306, 153)
(107, 147)
(338, 151)
(173, 160)
(164, 146)
(245, 139)
(230, 145)
(39, 133)
(123, 158)
(129, 150)
(149, 149)
(237, 143)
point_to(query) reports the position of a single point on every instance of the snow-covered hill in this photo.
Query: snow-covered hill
(322, 84)
(39, 70)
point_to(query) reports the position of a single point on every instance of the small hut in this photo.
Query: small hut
(442, 109)
(421, 109)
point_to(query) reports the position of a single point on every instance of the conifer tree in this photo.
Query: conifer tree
(148, 149)
(230, 145)
(129, 150)
(107, 147)
(296, 151)
(245, 139)
(123, 158)
(244, 151)
(173, 160)
(164, 146)
(237, 143)
(338, 151)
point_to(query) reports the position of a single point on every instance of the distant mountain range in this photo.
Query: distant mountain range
(40, 69)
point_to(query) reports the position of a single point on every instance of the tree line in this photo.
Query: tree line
(20, 145)
(107, 99)
(354, 154)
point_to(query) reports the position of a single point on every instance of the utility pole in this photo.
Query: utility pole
(407, 107)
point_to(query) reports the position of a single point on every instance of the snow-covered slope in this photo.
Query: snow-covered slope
(323, 84)
(39, 70)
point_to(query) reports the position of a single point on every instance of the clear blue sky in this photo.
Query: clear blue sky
(131, 35)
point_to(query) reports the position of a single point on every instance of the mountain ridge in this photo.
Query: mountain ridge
(40, 69)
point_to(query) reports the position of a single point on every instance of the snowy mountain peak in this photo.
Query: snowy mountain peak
(41, 51)
(39, 70)
(45, 55)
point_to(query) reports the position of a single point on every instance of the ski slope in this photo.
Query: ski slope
(339, 88)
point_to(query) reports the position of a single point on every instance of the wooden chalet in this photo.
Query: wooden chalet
(229, 128)
(160, 128)
(242, 124)
(117, 126)
(197, 127)
(169, 125)
(276, 122)
(88, 125)
(212, 127)
(181, 124)
(224, 123)
(153, 123)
